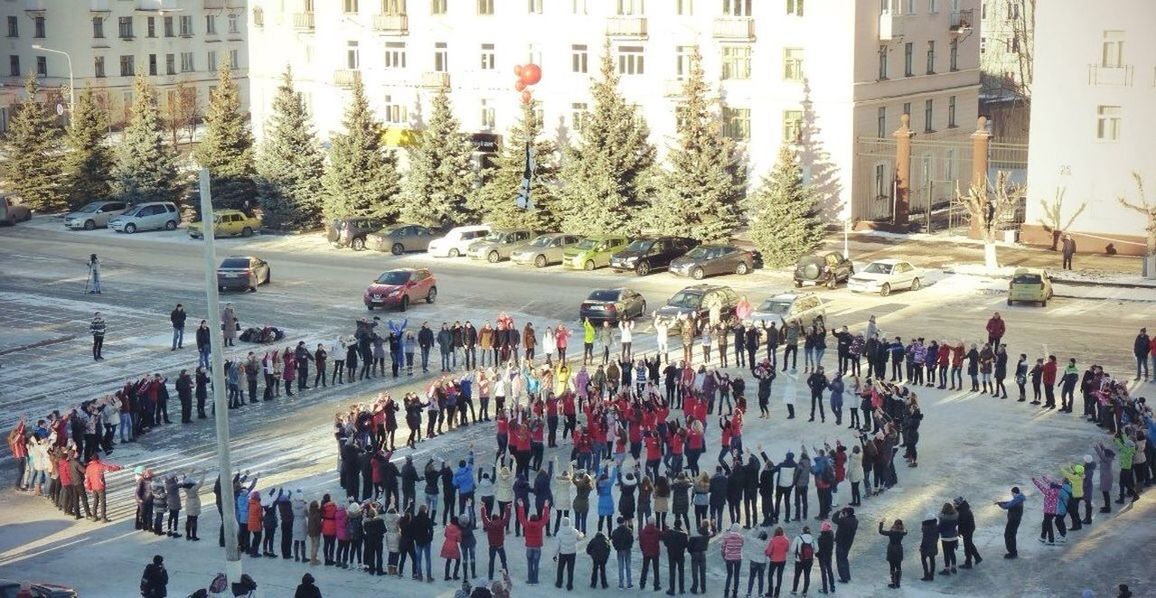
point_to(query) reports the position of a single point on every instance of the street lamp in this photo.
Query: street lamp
(71, 80)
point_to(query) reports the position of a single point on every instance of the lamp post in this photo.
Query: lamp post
(71, 79)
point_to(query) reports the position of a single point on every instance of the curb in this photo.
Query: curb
(43, 343)
(1068, 281)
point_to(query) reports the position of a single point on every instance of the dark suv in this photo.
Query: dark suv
(351, 232)
(696, 301)
(648, 254)
(829, 268)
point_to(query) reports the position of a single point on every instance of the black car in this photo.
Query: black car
(709, 260)
(351, 232)
(648, 254)
(829, 268)
(612, 305)
(243, 273)
(696, 301)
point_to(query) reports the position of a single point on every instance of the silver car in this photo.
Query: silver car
(807, 308)
(95, 215)
(498, 245)
(147, 216)
(544, 249)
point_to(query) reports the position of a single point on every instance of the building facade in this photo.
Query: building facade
(816, 75)
(178, 44)
(1006, 46)
(1093, 121)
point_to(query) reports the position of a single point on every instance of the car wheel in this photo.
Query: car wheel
(885, 290)
(540, 261)
(369, 306)
(454, 253)
(742, 269)
(494, 257)
(253, 287)
(1009, 302)
(1044, 303)
(432, 295)
(89, 225)
(357, 244)
(589, 265)
(247, 232)
(798, 284)
(404, 305)
(171, 225)
(643, 268)
(397, 249)
(916, 284)
(697, 273)
(833, 282)
(130, 228)
(642, 312)
(268, 276)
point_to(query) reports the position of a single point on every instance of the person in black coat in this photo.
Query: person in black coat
(599, 550)
(202, 391)
(967, 530)
(154, 582)
(423, 525)
(374, 539)
(929, 546)
(307, 589)
(622, 539)
(676, 542)
(846, 524)
(185, 394)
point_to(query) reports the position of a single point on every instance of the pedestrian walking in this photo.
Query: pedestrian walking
(97, 328)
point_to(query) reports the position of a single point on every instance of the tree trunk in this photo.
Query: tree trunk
(1150, 253)
(989, 258)
(1055, 238)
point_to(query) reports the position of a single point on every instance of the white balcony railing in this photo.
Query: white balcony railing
(673, 88)
(634, 27)
(740, 28)
(962, 20)
(99, 5)
(397, 24)
(435, 79)
(346, 77)
(304, 21)
(890, 26)
(1110, 76)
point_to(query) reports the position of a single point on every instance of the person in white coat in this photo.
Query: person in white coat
(803, 547)
(561, 490)
(568, 538)
(790, 388)
(548, 344)
(755, 554)
(300, 520)
(661, 334)
(192, 488)
(855, 473)
(627, 338)
(504, 490)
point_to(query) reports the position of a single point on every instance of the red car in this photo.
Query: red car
(399, 288)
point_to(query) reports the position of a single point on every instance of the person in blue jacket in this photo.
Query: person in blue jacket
(606, 476)
(1015, 513)
(464, 481)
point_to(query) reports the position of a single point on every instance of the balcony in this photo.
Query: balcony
(99, 6)
(890, 26)
(155, 5)
(35, 5)
(394, 24)
(223, 4)
(734, 28)
(435, 79)
(962, 21)
(626, 27)
(673, 88)
(304, 21)
(346, 77)
(1110, 76)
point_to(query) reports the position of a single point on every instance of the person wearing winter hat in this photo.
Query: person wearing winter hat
(154, 581)
(307, 588)
(967, 532)
(1089, 486)
(1015, 513)
(732, 554)
(1074, 474)
(929, 546)
(826, 549)
(803, 547)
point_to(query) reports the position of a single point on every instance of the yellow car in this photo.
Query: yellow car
(228, 223)
(1030, 285)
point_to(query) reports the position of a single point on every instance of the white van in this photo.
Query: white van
(458, 240)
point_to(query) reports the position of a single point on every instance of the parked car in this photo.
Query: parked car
(11, 589)
(594, 252)
(457, 240)
(243, 273)
(612, 305)
(1030, 285)
(709, 260)
(400, 239)
(401, 287)
(829, 268)
(228, 223)
(351, 232)
(153, 215)
(697, 301)
(884, 276)
(11, 213)
(544, 250)
(648, 254)
(94, 214)
(499, 244)
(780, 309)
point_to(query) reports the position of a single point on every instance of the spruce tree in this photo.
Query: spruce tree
(226, 150)
(32, 165)
(361, 178)
(496, 200)
(785, 223)
(601, 180)
(146, 167)
(290, 163)
(700, 191)
(441, 172)
(89, 162)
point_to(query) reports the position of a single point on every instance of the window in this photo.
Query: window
(909, 9)
(682, 60)
(395, 55)
(1108, 123)
(437, 7)
(982, 44)
(578, 111)
(395, 8)
(1013, 45)
(127, 66)
(210, 24)
(983, 11)
(170, 64)
(489, 117)
(98, 27)
(931, 58)
(350, 6)
(186, 26)
(793, 64)
(736, 62)
(151, 27)
(533, 54)
(951, 112)
(631, 60)
(578, 7)
(792, 125)
(907, 108)
(124, 27)
(795, 8)
(441, 57)
(628, 8)
(882, 62)
(908, 58)
(41, 66)
(949, 165)
(932, 6)
(169, 27)
(579, 57)
(234, 59)
(1013, 9)
(352, 55)
(233, 24)
(1113, 53)
(38, 28)
(258, 17)
(485, 7)
(534, 7)
(212, 61)
(395, 112)
(98, 67)
(684, 8)
(187, 64)
(881, 122)
(14, 65)
(737, 123)
(13, 27)
(882, 187)
(953, 55)
(153, 62)
(487, 57)
(737, 8)
(928, 108)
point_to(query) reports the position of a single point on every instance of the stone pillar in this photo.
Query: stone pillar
(980, 141)
(902, 203)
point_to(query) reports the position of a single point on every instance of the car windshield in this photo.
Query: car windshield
(88, 209)
(394, 277)
(878, 268)
(640, 245)
(1026, 279)
(133, 212)
(235, 262)
(776, 306)
(586, 244)
(495, 236)
(604, 295)
(542, 242)
(685, 299)
(699, 253)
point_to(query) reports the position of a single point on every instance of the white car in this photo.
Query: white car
(884, 276)
(458, 240)
(780, 309)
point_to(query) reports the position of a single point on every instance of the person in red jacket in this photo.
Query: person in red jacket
(1048, 376)
(495, 528)
(94, 483)
(995, 329)
(533, 529)
(328, 528)
(650, 540)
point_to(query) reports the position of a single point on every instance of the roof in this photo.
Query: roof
(890, 261)
(705, 287)
(1019, 271)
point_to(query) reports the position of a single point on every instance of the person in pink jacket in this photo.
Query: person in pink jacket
(561, 339)
(776, 551)
(451, 547)
(342, 533)
(732, 554)
(289, 372)
(1051, 492)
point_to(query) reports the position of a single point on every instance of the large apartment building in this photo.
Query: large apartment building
(104, 44)
(818, 75)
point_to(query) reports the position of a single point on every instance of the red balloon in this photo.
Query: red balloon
(517, 70)
(526, 97)
(531, 74)
(520, 85)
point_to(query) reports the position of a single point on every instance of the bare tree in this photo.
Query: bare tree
(1053, 220)
(1017, 33)
(182, 111)
(1149, 212)
(991, 208)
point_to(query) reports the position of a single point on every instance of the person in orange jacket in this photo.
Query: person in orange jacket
(328, 528)
(254, 523)
(94, 483)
